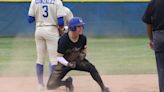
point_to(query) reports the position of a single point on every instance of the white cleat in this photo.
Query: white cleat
(40, 88)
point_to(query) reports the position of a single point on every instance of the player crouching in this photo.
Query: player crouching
(71, 56)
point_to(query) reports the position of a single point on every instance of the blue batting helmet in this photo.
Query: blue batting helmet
(74, 22)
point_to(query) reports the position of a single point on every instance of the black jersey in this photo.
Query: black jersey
(154, 14)
(65, 44)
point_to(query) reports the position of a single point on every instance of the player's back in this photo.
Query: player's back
(46, 11)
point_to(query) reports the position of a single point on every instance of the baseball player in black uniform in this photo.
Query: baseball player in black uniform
(154, 18)
(71, 56)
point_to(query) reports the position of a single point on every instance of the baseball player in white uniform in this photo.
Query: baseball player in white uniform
(49, 16)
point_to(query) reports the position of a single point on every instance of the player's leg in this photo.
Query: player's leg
(88, 67)
(41, 50)
(160, 68)
(51, 42)
(51, 67)
(55, 79)
(158, 40)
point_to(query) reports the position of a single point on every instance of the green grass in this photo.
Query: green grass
(109, 55)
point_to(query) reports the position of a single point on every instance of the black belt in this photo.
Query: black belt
(158, 30)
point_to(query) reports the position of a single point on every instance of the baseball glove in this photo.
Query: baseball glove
(75, 55)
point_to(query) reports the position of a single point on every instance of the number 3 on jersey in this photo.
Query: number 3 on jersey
(45, 8)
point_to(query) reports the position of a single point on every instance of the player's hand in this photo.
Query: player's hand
(151, 44)
(72, 64)
(61, 30)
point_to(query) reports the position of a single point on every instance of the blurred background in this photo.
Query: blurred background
(102, 17)
(117, 41)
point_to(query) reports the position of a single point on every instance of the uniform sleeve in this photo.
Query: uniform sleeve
(85, 43)
(31, 11)
(147, 17)
(60, 9)
(61, 46)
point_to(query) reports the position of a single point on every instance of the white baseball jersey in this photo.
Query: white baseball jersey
(46, 12)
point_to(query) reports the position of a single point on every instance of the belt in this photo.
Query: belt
(45, 25)
(158, 30)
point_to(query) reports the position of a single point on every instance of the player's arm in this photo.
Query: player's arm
(63, 61)
(31, 19)
(84, 50)
(61, 25)
(62, 47)
(60, 17)
(31, 12)
(150, 35)
(147, 19)
(150, 31)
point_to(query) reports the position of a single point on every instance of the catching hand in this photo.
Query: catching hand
(72, 64)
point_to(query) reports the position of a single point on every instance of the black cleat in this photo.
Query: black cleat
(69, 84)
(106, 90)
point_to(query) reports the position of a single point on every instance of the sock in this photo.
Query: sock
(39, 73)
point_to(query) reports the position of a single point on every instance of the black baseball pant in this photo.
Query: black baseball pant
(158, 39)
(60, 71)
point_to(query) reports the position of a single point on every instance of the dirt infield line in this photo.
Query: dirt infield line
(116, 83)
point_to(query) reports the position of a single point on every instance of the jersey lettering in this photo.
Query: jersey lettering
(45, 1)
(45, 8)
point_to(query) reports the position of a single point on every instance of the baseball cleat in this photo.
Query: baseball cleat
(40, 88)
(106, 90)
(69, 84)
